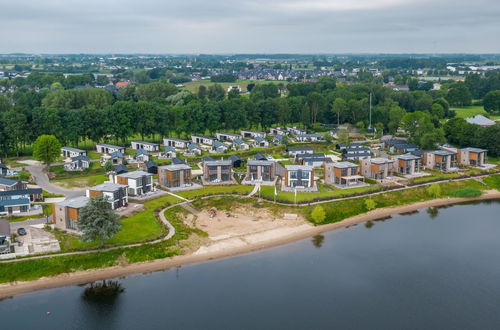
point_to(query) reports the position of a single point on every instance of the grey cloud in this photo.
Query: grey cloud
(219, 26)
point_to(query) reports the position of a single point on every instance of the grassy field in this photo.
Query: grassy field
(81, 181)
(324, 192)
(216, 190)
(194, 85)
(470, 111)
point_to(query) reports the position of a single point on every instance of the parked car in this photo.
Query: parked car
(21, 231)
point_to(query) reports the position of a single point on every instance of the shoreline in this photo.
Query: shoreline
(83, 277)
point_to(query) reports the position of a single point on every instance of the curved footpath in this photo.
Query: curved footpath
(83, 277)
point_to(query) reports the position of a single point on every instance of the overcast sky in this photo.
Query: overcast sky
(250, 26)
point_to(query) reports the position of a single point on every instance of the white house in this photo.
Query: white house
(219, 147)
(298, 151)
(68, 152)
(295, 130)
(148, 146)
(239, 144)
(201, 139)
(138, 182)
(109, 149)
(227, 136)
(193, 150)
(176, 143)
(308, 137)
(260, 142)
(252, 134)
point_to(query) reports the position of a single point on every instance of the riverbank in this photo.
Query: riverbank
(222, 249)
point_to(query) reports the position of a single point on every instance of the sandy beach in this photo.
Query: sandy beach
(261, 231)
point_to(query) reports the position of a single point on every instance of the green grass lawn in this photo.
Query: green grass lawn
(472, 110)
(22, 218)
(139, 227)
(215, 190)
(325, 192)
(93, 155)
(193, 86)
(81, 181)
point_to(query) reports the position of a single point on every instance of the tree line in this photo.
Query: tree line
(160, 109)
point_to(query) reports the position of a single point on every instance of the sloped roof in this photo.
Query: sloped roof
(480, 120)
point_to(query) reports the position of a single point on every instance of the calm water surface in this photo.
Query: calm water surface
(437, 269)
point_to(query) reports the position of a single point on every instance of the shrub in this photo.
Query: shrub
(318, 214)
(370, 204)
(434, 190)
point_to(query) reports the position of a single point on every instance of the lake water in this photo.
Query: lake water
(437, 269)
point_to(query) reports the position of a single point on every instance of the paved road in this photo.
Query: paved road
(26, 223)
(42, 180)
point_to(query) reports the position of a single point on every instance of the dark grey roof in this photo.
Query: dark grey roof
(234, 158)
(259, 156)
(16, 201)
(318, 155)
(150, 164)
(177, 160)
(300, 149)
(80, 158)
(207, 159)
(31, 191)
(7, 182)
(121, 169)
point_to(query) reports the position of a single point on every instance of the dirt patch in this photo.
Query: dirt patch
(240, 221)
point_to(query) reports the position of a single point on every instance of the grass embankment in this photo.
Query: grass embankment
(34, 269)
(325, 192)
(339, 210)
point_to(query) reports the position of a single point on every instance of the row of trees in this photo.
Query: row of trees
(159, 109)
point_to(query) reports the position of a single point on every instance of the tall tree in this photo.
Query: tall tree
(46, 149)
(98, 221)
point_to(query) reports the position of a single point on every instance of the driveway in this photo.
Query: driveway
(42, 180)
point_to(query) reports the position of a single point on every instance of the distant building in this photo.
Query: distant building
(253, 134)
(109, 149)
(308, 137)
(297, 151)
(227, 136)
(480, 120)
(78, 163)
(176, 143)
(202, 139)
(148, 146)
(239, 144)
(68, 152)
